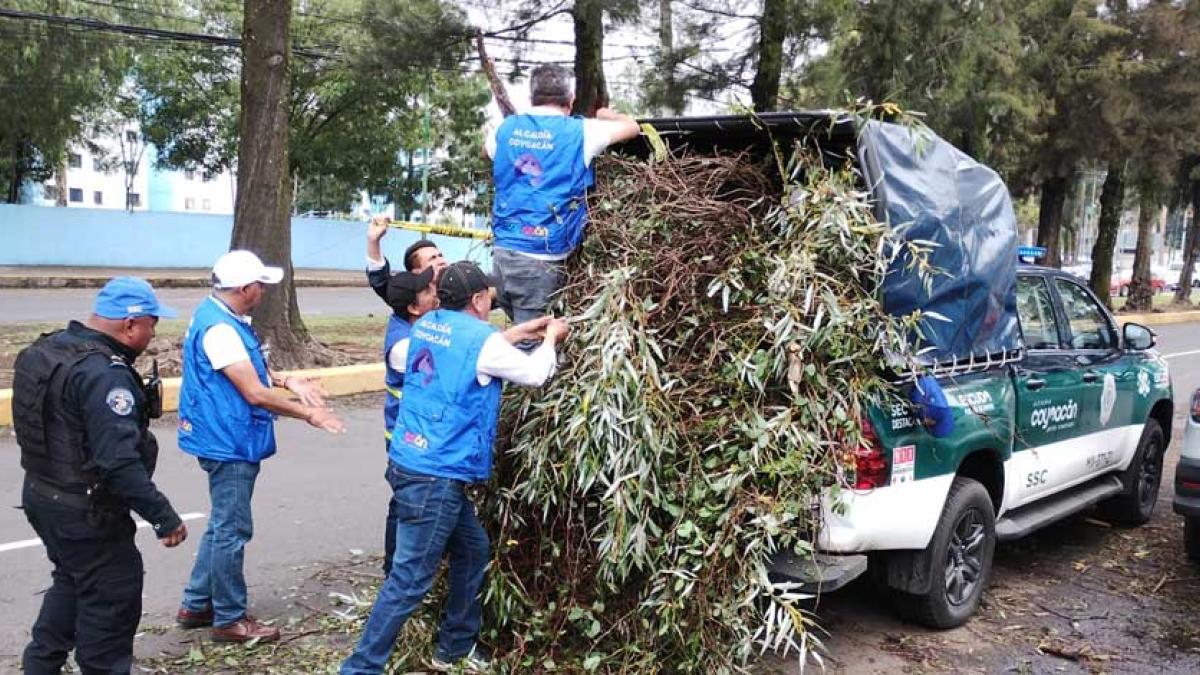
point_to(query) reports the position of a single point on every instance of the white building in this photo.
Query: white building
(96, 179)
(191, 191)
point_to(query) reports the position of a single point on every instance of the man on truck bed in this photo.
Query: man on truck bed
(542, 170)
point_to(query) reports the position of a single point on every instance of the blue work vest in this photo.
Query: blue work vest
(215, 422)
(397, 330)
(448, 421)
(541, 184)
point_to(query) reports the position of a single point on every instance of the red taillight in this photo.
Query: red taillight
(870, 465)
(1196, 406)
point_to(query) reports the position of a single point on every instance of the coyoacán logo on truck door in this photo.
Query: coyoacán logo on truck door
(1108, 398)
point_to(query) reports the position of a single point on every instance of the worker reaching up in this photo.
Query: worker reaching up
(542, 168)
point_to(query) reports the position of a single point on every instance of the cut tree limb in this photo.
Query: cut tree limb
(499, 92)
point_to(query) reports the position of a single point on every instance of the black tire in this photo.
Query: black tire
(1135, 505)
(961, 553)
(1191, 538)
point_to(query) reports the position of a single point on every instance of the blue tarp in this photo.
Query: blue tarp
(928, 190)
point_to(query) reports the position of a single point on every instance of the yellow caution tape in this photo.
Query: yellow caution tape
(445, 230)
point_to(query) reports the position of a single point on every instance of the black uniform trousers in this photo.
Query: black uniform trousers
(95, 601)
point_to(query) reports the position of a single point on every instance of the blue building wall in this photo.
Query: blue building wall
(37, 235)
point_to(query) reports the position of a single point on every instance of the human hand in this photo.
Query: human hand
(377, 228)
(309, 390)
(608, 114)
(528, 330)
(323, 418)
(175, 538)
(557, 330)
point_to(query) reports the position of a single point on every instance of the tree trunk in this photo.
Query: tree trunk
(673, 102)
(764, 91)
(13, 189)
(1112, 200)
(260, 219)
(60, 183)
(1141, 293)
(1191, 243)
(1054, 194)
(591, 91)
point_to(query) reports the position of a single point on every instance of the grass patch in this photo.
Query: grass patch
(1162, 301)
(360, 338)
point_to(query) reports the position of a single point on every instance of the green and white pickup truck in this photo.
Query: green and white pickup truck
(1055, 407)
(1081, 418)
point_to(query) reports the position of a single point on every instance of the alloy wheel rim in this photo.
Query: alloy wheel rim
(1148, 479)
(964, 557)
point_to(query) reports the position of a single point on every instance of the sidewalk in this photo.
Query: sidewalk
(53, 276)
(1163, 318)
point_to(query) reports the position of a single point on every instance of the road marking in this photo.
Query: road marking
(1171, 356)
(30, 543)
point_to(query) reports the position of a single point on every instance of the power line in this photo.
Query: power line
(137, 10)
(82, 23)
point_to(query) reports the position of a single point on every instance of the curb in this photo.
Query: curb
(157, 282)
(339, 381)
(1160, 318)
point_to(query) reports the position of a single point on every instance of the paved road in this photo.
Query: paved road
(56, 305)
(318, 499)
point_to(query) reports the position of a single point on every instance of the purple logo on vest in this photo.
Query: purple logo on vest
(528, 165)
(423, 363)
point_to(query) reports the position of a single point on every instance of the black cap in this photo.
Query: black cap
(413, 248)
(459, 282)
(403, 287)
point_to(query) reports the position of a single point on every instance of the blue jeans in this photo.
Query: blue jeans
(217, 578)
(389, 527)
(525, 286)
(435, 516)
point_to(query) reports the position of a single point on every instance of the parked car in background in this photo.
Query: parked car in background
(1120, 283)
(1187, 480)
(1082, 270)
(1175, 272)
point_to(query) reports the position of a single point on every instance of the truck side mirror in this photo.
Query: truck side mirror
(1138, 337)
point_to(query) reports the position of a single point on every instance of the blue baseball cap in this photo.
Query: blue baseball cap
(125, 297)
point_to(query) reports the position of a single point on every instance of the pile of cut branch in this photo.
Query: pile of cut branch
(730, 335)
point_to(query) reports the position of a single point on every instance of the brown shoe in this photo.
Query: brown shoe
(245, 629)
(186, 618)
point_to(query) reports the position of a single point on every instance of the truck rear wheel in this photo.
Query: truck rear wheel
(1135, 505)
(961, 552)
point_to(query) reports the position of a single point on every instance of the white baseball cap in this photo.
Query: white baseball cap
(242, 268)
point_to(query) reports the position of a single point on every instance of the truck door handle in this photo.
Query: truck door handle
(1033, 384)
(1090, 376)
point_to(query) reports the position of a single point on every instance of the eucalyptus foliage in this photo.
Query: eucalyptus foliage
(728, 335)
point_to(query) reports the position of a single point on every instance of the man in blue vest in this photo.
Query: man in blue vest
(410, 294)
(442, 443)
(226, 419)
(542, 169)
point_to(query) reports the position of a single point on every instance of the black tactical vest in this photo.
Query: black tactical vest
(51, 438)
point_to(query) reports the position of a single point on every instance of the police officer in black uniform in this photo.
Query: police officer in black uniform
(81, 415)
